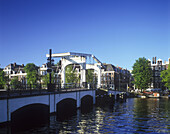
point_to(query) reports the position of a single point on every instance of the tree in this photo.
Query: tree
(15, 83)
(89, 75)
(71, 76)
(3, 79)
(46, 78)
(32, 73)
(142, 73)
(165, 75)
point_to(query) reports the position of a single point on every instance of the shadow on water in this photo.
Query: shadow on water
(28, 117)
(65, 109)
(86, 104)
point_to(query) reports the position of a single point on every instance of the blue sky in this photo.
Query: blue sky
(115, 31)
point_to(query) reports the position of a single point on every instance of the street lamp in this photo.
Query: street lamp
(119, 81)
(50, 62)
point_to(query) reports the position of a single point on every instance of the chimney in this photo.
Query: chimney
(22, 65)
(15, 64)
(153, 60)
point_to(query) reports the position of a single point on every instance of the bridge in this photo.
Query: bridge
(25, 106)
(81, 60)
(19, 107)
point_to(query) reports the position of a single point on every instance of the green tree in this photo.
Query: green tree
(165, 75)
(46, 78)
(3, 79)
(15, 83)
(32, 73)
(70, 75)
(142, 73)
(89, 75)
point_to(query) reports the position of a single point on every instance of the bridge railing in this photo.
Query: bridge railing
(47, 86)
(109, 88)
(36, 89)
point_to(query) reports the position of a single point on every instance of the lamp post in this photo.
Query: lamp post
(119, 81)
(49, 70)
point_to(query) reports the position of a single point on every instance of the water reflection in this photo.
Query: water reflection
(132, 116)
(152, 115)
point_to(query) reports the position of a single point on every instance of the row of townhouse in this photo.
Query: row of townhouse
(13, 70)
(116, 78)
(111, 76)
(157, 66)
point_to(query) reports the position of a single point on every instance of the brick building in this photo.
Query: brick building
(116, 78)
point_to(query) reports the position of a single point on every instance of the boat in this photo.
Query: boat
(152, 93)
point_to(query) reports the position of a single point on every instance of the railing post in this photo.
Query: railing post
(40, 88)
(8, 90)
(30, 89)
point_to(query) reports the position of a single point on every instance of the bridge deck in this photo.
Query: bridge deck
(24, 93)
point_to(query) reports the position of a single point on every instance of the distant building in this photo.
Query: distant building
(15, 70)
(157, 66)
(43, 69)
(116, 78)
(108, 76)
(56, 68)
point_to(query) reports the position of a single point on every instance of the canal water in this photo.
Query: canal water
(136, 115)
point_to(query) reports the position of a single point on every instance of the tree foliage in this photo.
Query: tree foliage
(3, 79)
(46, 78)
(142, 73)
(165, 75)
(71, 75)
(15, 83)
(89, 75)
(32, 73)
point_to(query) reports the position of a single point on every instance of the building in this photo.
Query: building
(43, 69)
(15, 70)
(157, 66)
(108, 76)
(55, 68)
(116, 78)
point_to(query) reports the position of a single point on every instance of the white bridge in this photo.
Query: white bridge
(81, 59)
(37, 107)
(50, 102)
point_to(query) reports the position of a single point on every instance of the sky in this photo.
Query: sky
(117, 32)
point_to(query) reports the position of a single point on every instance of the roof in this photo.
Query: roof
(109, 67)
(159, 60)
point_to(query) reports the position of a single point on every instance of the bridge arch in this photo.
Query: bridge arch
(70, 70)
(17, 103)
(97, 70)
(73, 60)
(29, 116)
(66, 108)
(86, 103)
